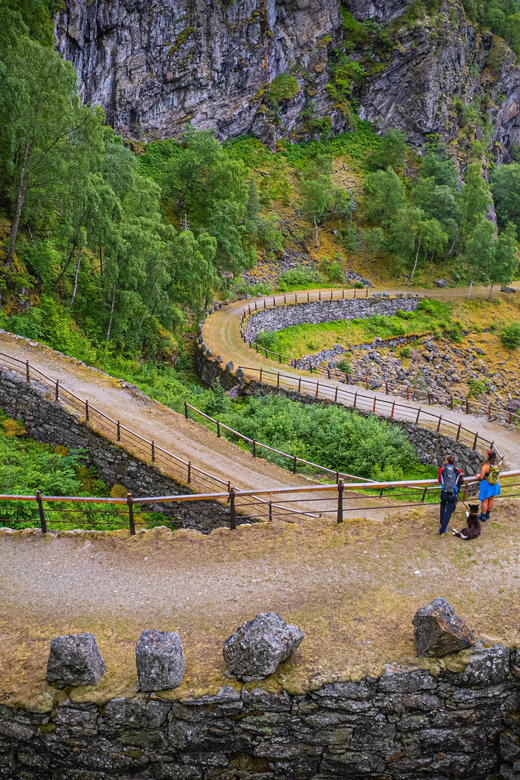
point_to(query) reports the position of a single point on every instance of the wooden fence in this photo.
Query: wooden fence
(466, 405)
(307, 502)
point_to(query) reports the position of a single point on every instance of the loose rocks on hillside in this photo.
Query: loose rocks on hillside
(159, 657)
(257, 648)
(75, 660)
(439, 631)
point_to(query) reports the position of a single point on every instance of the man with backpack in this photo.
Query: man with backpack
(450, 478)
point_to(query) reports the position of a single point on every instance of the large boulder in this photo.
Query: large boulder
(257, 648)
(439, 631)
(440, 282)
(159, 657)
(75, 660)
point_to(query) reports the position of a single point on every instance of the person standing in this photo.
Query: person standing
(489, 484)
(450, 478)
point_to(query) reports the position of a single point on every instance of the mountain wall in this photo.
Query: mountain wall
(154, 66)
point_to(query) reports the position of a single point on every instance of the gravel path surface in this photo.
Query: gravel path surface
(352, 588)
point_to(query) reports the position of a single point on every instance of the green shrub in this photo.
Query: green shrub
(478, 387)
(300, 277)
(511, 336)
(335, 273)
(344, 365)
(265, 339)
(328, 435)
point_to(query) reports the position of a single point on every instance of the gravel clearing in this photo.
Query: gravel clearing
(353, 589)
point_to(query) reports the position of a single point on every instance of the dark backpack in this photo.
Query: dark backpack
(449, 476)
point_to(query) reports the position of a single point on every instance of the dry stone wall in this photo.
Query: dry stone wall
(280, 317)
(405, 724)
(48, 421)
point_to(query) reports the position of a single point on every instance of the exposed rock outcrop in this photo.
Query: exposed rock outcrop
(441, 66)
(376, 9)
(154, 67)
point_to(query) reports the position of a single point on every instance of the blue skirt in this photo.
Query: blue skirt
(487, 490)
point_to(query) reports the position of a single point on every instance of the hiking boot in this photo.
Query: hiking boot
(482, 518)
(442, 533)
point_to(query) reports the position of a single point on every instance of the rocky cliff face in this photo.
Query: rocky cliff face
(154, 66)
(446, 78)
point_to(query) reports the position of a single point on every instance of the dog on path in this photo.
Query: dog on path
(472, 531)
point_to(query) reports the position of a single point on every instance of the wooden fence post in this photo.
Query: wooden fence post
(57, 391)
(232, 514)
(186, 409)
(118, 434)
(27, 376)
(130, 504)
(41, 510)
(153, 451)
(189, 472)
(86, 411)
(339, 518)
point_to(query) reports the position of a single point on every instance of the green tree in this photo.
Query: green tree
(505, 185)
(405, 232)
(474, 198)
(191, 268)
(48, 137)
(442, 169)
(384, 196)
(438, 201)
(505, 265)
(391, 152)
(480, 251)
(213, 190)
(33, 18)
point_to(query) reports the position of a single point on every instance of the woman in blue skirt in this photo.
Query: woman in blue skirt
(489, 484)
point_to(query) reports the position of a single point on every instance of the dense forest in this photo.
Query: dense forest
(112, 248)
(131, 241)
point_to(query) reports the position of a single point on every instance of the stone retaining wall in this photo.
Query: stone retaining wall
(431, 447)
(405, 724)
(280, 317)
(48, 421)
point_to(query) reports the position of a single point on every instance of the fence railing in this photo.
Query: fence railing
(145, 449)
(381, 406)
(308, 502)
(467, 405)
(292, 460)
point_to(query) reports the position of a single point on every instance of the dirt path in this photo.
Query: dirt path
(221, 333)
(352, 588)
(184, 438)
